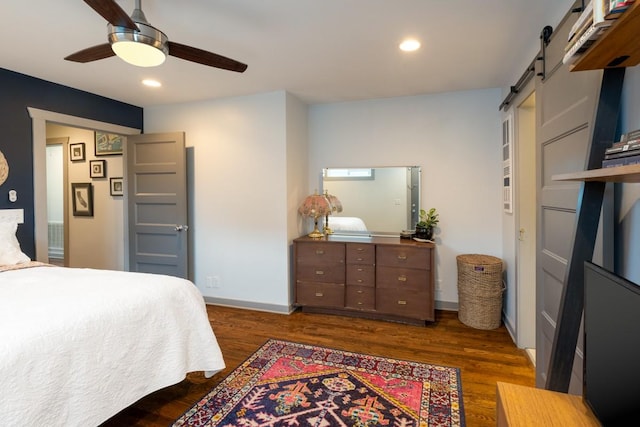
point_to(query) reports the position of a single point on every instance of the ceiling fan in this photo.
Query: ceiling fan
(135, 41)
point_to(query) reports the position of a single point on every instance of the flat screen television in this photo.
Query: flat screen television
(611, 376)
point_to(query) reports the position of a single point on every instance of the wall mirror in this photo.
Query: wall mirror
(375, 200)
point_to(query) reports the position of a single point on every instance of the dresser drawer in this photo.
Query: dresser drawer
(361, 253)
(320, 253)
(403, 256)
(364, 275)
(402, 278)
(320, 294)
(361, 297)
(321, 273)
(414, 304)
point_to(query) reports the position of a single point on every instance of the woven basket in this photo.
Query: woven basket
(480, 291)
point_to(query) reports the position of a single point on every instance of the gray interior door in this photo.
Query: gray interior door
(565, 110)
(157, 204)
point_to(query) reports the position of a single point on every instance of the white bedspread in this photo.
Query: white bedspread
(346, 223)
(79, 345)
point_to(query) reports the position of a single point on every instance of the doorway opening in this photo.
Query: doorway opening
(40, 118)
(525, 221)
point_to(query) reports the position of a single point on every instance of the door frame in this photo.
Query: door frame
(525, 148)
(39, 119)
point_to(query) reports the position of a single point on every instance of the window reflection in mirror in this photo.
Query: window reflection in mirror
(375, 201)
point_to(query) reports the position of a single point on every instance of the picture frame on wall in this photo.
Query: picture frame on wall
(108, 144)
(82, 196)
(76, 152)
(116, 186)
(98, 168)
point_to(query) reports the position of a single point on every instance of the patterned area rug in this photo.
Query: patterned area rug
(289, 384)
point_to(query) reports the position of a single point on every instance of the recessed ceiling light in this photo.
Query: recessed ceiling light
(151, 83)
(410, 45)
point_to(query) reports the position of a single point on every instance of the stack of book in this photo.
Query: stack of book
(616, 7)
(594, 20)
(625, 152)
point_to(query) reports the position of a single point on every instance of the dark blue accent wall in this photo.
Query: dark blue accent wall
(19, 91)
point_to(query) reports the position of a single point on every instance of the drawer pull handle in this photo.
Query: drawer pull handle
(319, 294)
(402, 278)
(319, 272)
(359, 303)
(360, 249)
(360, 292)
(360, 269)
(319, 252)
(359, 280)
(359, 259)
(402, 257)
(402, 302)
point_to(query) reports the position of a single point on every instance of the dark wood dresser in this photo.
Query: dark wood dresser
(378, 277)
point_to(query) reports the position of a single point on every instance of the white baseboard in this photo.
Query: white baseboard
(531, 352)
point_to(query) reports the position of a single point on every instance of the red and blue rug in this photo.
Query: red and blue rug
(290, 384)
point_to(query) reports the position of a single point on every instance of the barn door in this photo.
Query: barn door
(565, 106)
(157, 204)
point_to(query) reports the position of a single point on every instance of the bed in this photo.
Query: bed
(346, 223)
(79, 345)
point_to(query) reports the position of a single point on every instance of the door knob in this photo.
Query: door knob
(182, 227)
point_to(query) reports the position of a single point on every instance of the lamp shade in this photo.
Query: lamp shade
(315, 206)
(336, 204)
(147, 47)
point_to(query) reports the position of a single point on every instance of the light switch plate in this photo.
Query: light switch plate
(12, 215)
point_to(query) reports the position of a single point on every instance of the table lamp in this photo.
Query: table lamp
(336, 206)
(315, 206)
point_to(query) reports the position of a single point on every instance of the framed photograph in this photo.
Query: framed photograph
(116, 186)
(108, 144)
(76, 151)
(98, 168)
(82, 195)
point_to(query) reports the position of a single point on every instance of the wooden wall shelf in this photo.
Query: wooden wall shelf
(621, 39)
(627, 174)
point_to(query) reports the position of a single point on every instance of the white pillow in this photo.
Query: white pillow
(10, 252)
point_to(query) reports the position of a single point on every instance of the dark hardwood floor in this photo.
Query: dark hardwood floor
(484, 357)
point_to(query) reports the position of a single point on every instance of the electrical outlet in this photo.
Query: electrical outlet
(209, 282)
(216, 281)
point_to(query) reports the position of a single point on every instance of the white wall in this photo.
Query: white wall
(94, 242)
(246, 164)
(55, 183)
(455, 137)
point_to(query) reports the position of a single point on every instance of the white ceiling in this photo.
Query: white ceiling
(319, 50)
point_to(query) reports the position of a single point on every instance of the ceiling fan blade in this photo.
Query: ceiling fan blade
(92, 53)
(113, 13)
(205, 58)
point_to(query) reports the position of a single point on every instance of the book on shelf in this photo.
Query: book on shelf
(630, 151)
(619, 5)
(580, 23)
(616, 8)
(630, 136)
(600, 9)
(623, 145)
(582, 43)
(621, 161)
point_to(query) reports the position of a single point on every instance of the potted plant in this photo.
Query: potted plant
(428, 220)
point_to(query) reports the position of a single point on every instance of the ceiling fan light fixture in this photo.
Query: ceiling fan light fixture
(144, 48)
